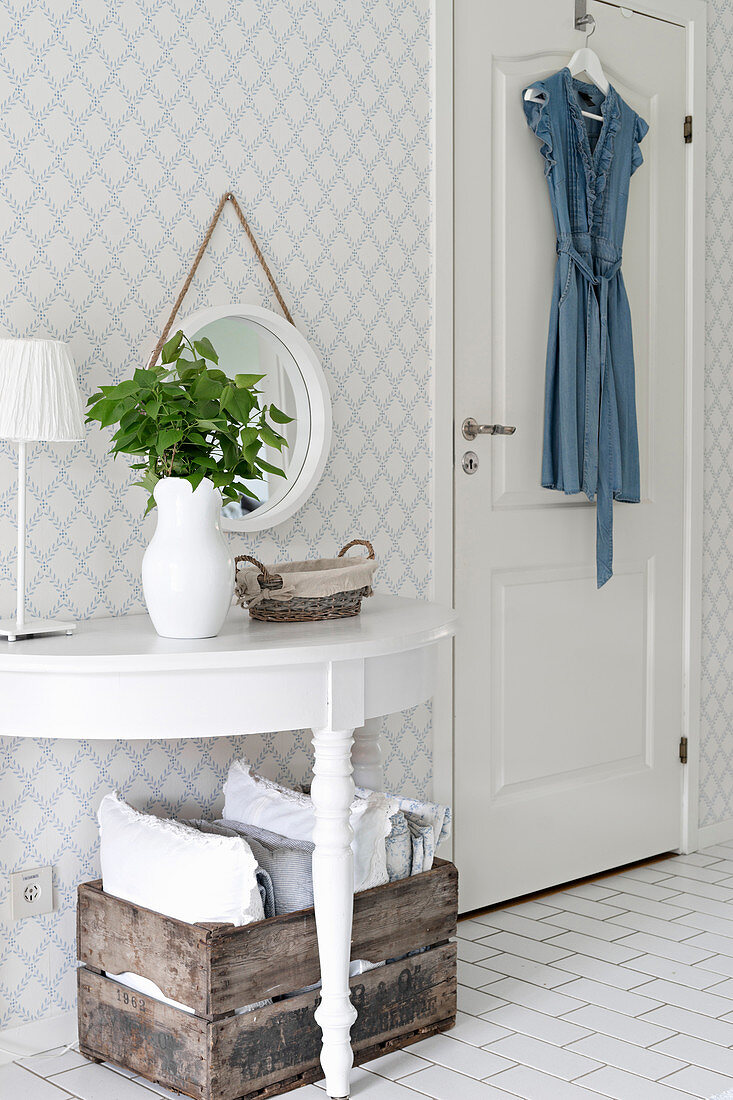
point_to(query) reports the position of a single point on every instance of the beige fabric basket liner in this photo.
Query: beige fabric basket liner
(320, 577)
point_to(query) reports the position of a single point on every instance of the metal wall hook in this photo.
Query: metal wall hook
(584, 21)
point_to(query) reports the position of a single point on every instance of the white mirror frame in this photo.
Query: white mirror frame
(319, 407)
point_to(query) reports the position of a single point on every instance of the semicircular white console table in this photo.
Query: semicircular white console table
(332, 677)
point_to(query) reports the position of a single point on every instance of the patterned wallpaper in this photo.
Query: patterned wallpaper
(716, 764)
(121, 123)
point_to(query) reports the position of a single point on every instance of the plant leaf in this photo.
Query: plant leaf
(221, 478)
(122, 389)
(248, 436)
(148, 481)
(111, 414)
(207, 388)
(272, 439)
(99, 411)
(167, 439)
(170, 348)
(205, 349)
(247, 381)
(239, 404)
(268, 468)
(278, 416)
(145, 378)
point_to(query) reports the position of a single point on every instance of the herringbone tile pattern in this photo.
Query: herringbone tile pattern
(616, 988)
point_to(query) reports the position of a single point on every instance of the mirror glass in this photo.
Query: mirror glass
(251, 340)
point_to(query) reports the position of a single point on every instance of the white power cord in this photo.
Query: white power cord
(44, 1056)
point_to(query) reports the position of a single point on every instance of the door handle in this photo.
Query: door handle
(471, 428)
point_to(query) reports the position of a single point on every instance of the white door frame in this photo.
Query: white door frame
(692, 15)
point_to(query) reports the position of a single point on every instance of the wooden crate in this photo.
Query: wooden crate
(217, 1055)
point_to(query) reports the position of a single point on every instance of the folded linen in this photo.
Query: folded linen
(417, 827)
(399, 848)
(285, 862)
(423, 843)
(264, 879)
(438, 817)
(250, 798)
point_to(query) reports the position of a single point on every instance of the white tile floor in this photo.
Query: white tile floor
(620, 988)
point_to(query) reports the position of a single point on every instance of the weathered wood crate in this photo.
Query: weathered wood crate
(217, 1055)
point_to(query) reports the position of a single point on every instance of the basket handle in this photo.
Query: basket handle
(358, 542)
(266, 577)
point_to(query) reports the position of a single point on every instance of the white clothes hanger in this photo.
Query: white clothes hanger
(585, 61)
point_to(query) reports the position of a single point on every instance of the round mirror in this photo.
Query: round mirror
(252, 340)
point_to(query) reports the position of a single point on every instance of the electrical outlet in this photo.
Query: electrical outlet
(31, 892)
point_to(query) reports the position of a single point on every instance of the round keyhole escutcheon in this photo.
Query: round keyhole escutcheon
(470, 462)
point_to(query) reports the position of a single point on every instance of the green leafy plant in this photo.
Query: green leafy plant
(185, 418)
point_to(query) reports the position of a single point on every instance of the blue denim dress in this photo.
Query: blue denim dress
(590, 434)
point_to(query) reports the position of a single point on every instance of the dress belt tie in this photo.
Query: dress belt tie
(601, 465)
(566, 244)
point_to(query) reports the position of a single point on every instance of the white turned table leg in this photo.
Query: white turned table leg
(366, 756)
(333, 893)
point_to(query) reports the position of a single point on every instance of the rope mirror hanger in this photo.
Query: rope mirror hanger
(227, 197)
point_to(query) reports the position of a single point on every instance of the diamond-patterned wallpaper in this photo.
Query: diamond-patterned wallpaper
(716, 764)
(121, 123)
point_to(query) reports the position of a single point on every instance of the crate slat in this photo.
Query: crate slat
(393, 919)
(141, 1034)
(117, 936)
(270, 1050)
(283, 1041)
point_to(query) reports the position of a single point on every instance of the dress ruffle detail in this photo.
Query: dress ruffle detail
(641, 129)
(583, 144)
(538, 120)
(603, 154)
(597, 162)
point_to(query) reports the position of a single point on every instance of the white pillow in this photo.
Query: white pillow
(253, 800)
(175, 870)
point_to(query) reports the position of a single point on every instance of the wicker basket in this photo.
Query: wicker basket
(289, 607)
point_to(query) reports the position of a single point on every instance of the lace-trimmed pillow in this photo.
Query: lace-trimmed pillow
(175, 870)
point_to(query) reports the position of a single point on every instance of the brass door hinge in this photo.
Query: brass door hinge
(687, 131)
(683, 750)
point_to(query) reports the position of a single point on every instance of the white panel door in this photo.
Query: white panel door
(568, 699)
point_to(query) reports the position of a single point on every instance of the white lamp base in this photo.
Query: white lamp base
(11, 631)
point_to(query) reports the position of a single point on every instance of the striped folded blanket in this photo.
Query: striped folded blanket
(285, 864)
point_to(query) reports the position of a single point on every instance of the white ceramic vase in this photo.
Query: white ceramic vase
(188, 571)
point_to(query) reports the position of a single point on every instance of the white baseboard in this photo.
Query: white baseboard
(25, 1040)
(719, 833)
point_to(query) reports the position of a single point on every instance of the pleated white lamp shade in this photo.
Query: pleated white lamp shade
(39, 394)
